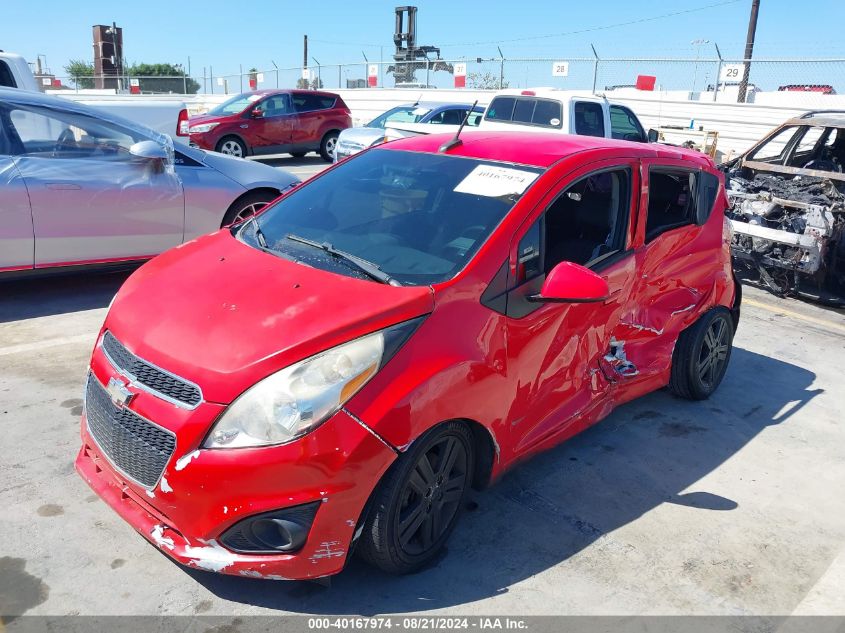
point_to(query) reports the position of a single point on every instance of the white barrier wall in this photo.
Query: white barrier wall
(739, 124)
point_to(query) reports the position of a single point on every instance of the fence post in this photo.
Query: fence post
(595, 68)
(184, 83)
(339, 69)
(718, 72)
(211, 78)
(241, 76)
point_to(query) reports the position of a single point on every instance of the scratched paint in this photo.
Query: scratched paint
(186, 459)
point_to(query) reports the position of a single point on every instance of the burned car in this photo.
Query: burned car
(787, 212)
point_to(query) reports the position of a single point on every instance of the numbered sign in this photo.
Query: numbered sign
(560, 69)
(460, 72)
(220, 81)
(731, 72)
(306, 74)
(260, 78)
(45, 81)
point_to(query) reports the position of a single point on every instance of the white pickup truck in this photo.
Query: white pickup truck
(161, 113)
(563, 111)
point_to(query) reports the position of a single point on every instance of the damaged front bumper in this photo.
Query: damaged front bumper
(203, 493)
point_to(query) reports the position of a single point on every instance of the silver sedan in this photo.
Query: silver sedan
(78, 186)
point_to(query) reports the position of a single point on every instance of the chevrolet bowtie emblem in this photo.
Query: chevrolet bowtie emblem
(119, 394)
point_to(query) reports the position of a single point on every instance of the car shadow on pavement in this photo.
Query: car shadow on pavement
(31, 297)
(550, 508)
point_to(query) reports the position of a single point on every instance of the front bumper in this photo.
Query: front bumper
(203, 492)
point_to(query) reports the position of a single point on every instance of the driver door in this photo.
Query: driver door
(92, 200)
(562, 355)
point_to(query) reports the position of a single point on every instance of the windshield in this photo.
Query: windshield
(235, 104)
(418, 217)
(400, 114)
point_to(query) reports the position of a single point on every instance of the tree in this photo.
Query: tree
(162, 78)
(485, 81)
(315, 84)
(81, 73)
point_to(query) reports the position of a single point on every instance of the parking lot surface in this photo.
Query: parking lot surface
(733, 505)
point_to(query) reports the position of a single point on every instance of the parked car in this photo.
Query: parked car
(563, 111)
(393, 124)
(388, 352)
(166, 115)
(83, 187)
(787, 210)
(292, 122)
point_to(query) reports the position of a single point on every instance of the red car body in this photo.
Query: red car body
(224, 316)
(275, 122)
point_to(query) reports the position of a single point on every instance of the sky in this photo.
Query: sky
(227, 35)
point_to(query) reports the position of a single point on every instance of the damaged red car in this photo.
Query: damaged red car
(337, 372)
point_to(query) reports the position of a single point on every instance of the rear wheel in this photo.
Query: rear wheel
(231, 146)
(328, 145)
(248, 205)
(701, 355)
(417, 504)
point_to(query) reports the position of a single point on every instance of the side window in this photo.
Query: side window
(670, 201)
(6, 78)
(587, 222)
(276, 105)
(56, 134)
(589, 118)
(803, 152)
(310, 103)
(474, 119)
(624, 125)
(452, 116)
(547, 113)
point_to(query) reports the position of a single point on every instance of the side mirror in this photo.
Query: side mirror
(572, 283)
(148, 151)
(653, 135)
(257, 113)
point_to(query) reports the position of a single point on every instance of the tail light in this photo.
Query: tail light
(182, 123)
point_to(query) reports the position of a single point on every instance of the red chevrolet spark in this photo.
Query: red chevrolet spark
(273, 122)
(338, 371)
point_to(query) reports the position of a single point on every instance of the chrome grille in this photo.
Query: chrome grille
(148, 376)
(135, 446)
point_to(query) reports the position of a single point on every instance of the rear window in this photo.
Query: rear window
(526, 111)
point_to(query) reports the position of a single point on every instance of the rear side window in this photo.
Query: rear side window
(625, 126)
(526, 111)
(589, 118)
(309, 103)
(6, 78)
(670, 201)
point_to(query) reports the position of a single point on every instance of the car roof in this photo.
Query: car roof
(291, 91)
(538, 149)
(434, 105)
(547, 93)
(824, 118)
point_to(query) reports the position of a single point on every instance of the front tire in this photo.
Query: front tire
(701, 355)
(328, 144)
(247, 205)
(231, 146)
(418, 502)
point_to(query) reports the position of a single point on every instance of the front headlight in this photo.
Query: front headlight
(202, 128)
(295, 400)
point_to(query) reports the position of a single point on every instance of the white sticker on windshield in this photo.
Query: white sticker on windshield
(490, 181)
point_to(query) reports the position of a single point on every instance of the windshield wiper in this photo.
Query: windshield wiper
(363, 265)
(259, 234)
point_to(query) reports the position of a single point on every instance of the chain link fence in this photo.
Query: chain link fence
(698, 78)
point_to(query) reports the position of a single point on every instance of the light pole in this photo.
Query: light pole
(698, 44)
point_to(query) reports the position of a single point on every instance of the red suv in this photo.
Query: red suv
(416, 320)
(273, 122)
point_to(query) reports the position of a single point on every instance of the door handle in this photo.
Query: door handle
(63, 186)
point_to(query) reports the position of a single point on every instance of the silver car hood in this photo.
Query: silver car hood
(249, 174)
(362, 137)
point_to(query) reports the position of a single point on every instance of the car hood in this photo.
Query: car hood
(361, 136)
(209, 118)
(225, 315)
(248, 173)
